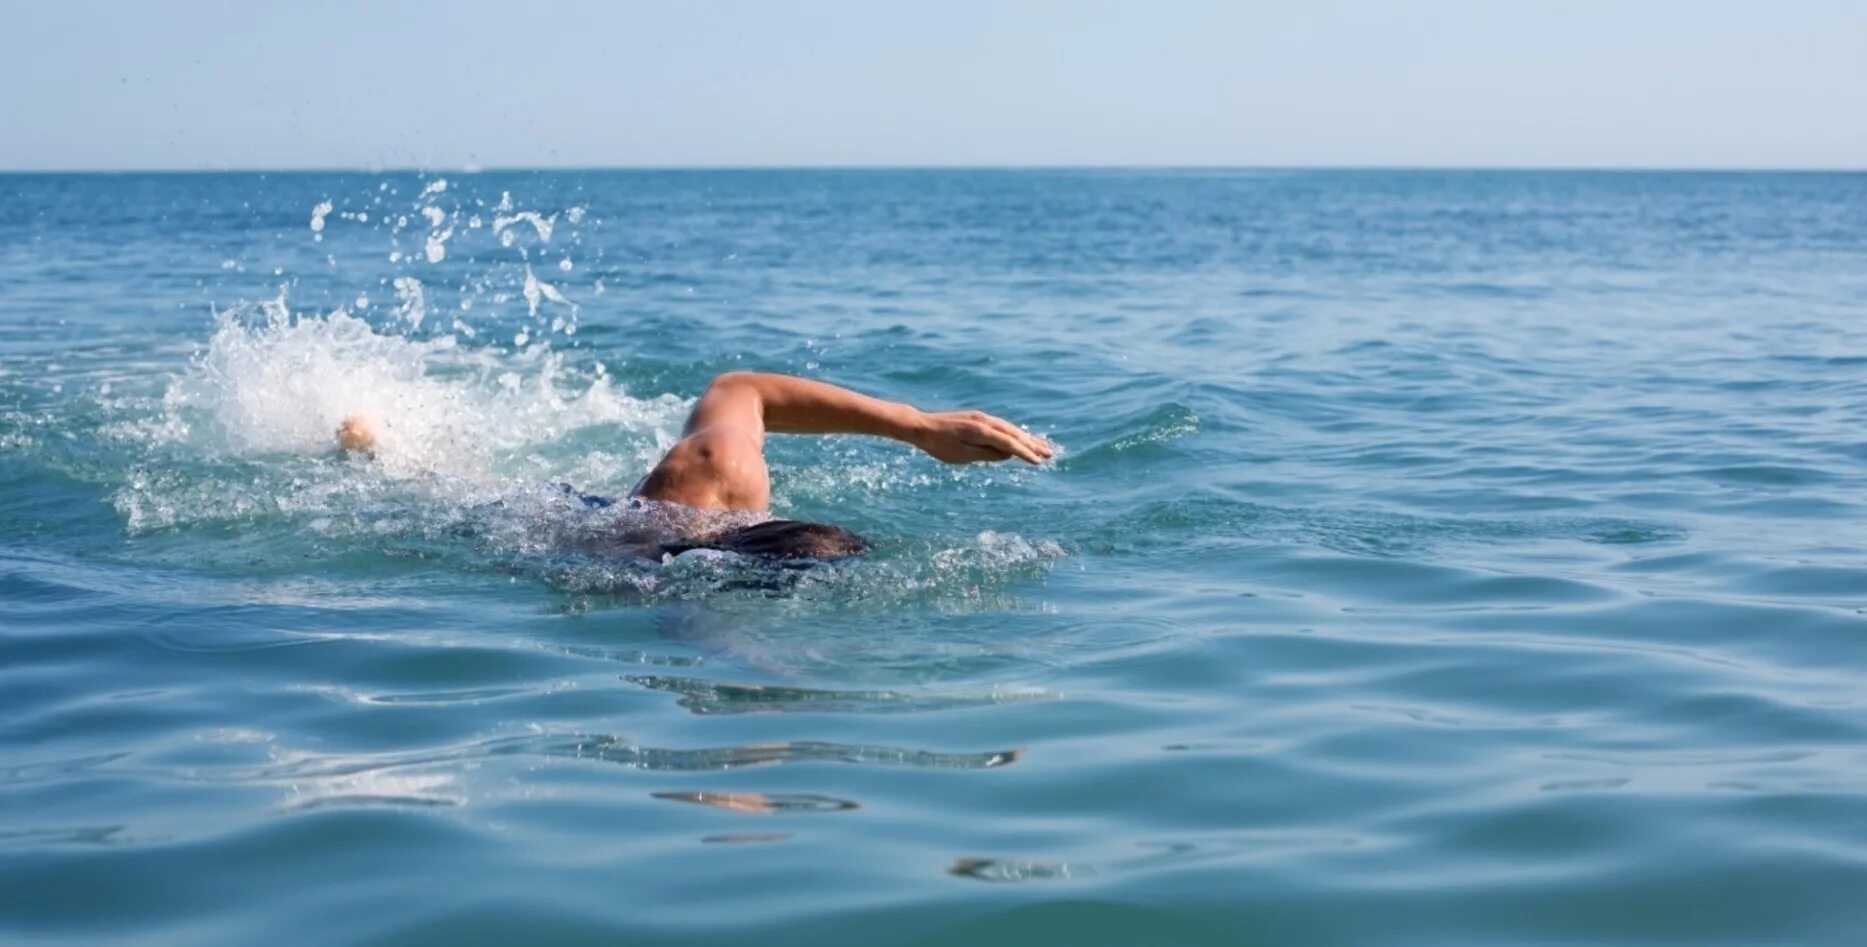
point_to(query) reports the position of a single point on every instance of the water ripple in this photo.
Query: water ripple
(713, 697)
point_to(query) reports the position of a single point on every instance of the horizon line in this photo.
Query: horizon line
(498, 169)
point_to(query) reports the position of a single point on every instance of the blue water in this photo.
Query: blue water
(1433, 558)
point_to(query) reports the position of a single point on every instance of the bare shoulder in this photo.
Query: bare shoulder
(717, 467)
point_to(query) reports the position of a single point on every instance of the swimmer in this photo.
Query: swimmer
(718, 465)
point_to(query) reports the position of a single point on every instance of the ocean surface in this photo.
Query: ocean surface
(1433, 558)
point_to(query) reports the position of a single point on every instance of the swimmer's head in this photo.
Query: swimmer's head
(357, 434)
(784, 539)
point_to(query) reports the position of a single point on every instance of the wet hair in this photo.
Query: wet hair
(781, 539)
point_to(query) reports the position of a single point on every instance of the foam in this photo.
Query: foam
(273, 381)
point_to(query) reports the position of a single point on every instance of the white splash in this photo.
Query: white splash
(274, 382)
(541, 224)
(434, 248)
(536, 290)
(414, 301)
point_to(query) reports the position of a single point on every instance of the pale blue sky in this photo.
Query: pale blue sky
(258, 84)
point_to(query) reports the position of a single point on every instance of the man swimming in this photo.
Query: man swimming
(718, 465)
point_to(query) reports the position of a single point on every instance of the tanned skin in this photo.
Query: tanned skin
(719, 463)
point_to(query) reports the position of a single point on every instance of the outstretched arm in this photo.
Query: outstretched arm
(719, 462)
(791, 405)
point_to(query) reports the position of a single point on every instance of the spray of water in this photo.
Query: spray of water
(270, 381)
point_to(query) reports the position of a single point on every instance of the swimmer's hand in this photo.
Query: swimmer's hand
(967, 437)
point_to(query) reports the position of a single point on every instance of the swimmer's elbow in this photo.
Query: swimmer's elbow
(736, 381)
(733, 398)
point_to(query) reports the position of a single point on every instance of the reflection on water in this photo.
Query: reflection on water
(762, 803)
(741, 838)
(732, 757)
(712, 697)
(1007, 870)
(436, 777)
(75, 835)
(1154, 853)
(375, 787)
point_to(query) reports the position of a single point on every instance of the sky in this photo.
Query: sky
(188, 84)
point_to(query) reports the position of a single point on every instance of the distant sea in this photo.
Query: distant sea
(1433, 558)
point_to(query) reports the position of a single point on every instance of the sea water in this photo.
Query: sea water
(1431, 558)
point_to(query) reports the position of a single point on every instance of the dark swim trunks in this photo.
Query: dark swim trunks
(780, 539)
(771, 539)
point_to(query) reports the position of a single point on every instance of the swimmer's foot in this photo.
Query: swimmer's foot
(357, 435)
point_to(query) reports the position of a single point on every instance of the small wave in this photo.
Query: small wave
(1213, 513)
(712, 697)
(1155, 854)
(970, 571)
(434, 776)
(1160, 425)
(762, 802)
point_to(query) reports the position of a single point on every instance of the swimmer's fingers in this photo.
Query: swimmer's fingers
(1019, 448)
(1003, 444)
(1035, 450)
(965, 437)
(1015, 441)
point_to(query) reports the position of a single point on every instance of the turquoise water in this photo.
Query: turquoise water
(1433, 558)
